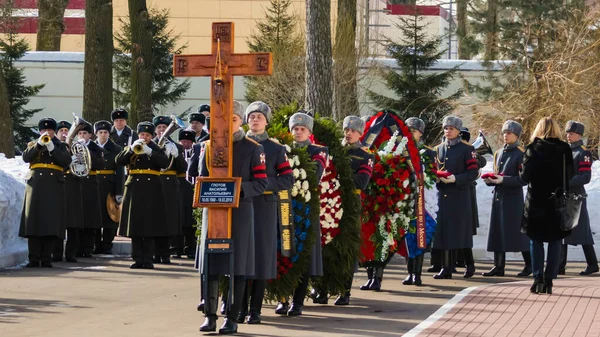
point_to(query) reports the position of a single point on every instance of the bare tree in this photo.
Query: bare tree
(97, 75)
(319, 63)
(51, 24)
(7, 143)
(141, 58)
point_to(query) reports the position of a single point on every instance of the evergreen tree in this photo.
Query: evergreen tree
(19, 94)
(277, 34)
(417, 94)
(166, 89)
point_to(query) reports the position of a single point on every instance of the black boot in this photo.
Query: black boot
(282, 308)
(499, 264)
(436, 261)
(343, 299)
(538, 285)
(409, 267)
(547, 288)
(201, 305)
(367, 286)
(321, 297)
(256, 299)
(235, 310)
(469, 262)
(527, 269)
(298, 298)
(446, 271)
(243, 312)
(591, 259)
(229, 327)
(377, 278)
(562, 266)
(417, 267)
(210, 306)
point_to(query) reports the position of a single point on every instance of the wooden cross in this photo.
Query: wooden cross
(221, 65)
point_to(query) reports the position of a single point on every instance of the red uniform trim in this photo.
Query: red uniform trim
(260, 175)
(286, 172)
(585, 169)
(283, 165)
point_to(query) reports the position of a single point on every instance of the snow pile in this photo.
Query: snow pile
(484, 202)
(13, 249)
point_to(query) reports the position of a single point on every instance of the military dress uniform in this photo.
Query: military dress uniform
(90, 198)
(110, 179)
(143, 214)
(582, 234)
(125, 137)
(249, 164)
(200, 118)
(455, 229)
(44, 208)
(266, 214)
(186, 242)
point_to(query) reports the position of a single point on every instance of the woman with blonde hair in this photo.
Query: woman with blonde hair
(546, 163)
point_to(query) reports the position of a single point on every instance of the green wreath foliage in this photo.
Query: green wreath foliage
(342, 253)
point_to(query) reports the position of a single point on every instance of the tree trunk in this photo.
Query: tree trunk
(51, 25)
(491, 39)
(461, 29)
(319, 63)
(97, 74)
(141, 58)
(7, 141)
(345, 66)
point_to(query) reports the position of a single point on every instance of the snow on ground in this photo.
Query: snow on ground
(12, 189)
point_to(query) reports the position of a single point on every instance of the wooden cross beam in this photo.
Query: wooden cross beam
(221, 65)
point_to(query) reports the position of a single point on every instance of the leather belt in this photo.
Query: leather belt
(104, 172)
(169, 173)
(47, 166)
(144, 171)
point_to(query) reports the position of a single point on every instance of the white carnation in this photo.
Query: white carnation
(305, 185)
(296, 173)
(297, 160)
(294, 191)
(307, 196)
(288, 148)
(302, 174)
(405, 183)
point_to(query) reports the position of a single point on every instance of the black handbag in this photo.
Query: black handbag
(567, 204)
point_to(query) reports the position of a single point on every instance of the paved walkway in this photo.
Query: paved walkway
(510, 309)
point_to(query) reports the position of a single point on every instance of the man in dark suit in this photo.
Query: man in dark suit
(121, 133)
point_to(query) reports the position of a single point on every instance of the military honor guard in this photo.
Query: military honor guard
(301, 126)
(457, 159)
(143, 214)
(582, 234)
(186, 242)
(110, 180)
(90, 194)
(174, 153)
(507, 204)
(266, 213)
(362, 165)
(44, 207)
(121, 133)
(205, 110)
(249, 163)
(197, 121)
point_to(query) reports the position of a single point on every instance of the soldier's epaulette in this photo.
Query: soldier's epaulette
(521, 148)
(252, 140)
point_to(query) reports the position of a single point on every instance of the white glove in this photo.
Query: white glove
(73, 159)
(40, 139)
(137, 142)
(497, 181)
(451, 179)
(119, 199)
(172, 150)
(82, 141)
(147, 150)
(50, 146)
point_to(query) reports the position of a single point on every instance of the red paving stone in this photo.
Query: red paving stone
(509, 309)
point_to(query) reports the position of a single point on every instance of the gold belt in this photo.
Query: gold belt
(104, 171)
(181, 175)
(47, 166)
(169, 173)
(144, 171)
(268, 192)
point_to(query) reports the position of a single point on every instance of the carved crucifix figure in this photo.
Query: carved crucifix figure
(221, 65)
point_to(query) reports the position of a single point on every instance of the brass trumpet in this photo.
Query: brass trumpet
(138, 149)
(46, 139)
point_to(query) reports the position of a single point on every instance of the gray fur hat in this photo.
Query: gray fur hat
(354, 123)
(258, 106)
(302, 118)
(238, 109)
(416, 123)
(453, 121)
(573, 126)
(513, 127)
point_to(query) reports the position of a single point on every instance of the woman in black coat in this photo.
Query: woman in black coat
(543, 171)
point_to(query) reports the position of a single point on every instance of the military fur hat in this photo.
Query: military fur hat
(302, 118)
(47, 124)
(416, 124)
(187, 134)
(88, 127)
(158, 120)
(102, 125)
(204, 107)
(261, 107)
(453, 121)
(119, 113)
(197, 117)
(573, 126)
(63, 124)
(354, 123)
(145, 127)
(513, 127)
(238, 109)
